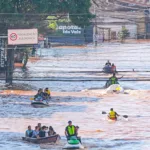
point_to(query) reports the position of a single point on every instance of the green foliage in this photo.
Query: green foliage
(32, 13)
(52, 24)
(124, 33)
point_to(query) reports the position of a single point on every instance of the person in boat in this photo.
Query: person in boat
(70, 131)
(46, 132)
(42, 133)
(29, 132)
(51, 131)
(39, 125)
(47, 93)
(113, 68)
(40, 95)
(76, 133)
(35, 133)
(113, 79)
(108, 63)
(112, 114)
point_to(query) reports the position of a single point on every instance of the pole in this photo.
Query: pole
(95, 29)
(9, 66)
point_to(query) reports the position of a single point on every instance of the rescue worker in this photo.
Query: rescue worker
(112, 114)
(47, 93)
(70, 130)
(113, 79)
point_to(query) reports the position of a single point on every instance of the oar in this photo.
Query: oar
(125, 116)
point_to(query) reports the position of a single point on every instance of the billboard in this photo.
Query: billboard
(70, 30)
(22, 36)
(66, 33)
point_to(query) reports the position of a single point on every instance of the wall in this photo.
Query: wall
(116, 28)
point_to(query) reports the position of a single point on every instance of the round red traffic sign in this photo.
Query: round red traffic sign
(13, 36)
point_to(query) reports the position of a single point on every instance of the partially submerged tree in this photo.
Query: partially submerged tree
(123, 34)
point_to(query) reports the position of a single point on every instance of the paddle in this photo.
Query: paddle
(125, 116)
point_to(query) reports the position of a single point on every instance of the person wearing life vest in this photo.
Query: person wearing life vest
(113, 79)
(112, 114)
(47, 93)
(70, 130)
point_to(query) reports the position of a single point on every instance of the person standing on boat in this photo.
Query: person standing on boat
(112, 114)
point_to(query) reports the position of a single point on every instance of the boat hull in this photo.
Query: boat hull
(51, 139)
(73, 146)
(39, 105)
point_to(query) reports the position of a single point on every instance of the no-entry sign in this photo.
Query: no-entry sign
(22, 36)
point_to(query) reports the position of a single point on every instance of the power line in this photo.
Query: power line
(89, 80)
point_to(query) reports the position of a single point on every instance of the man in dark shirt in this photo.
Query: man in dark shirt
(108, 63)
(42, 132)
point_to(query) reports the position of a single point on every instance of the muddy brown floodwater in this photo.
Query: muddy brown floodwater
(81, 102)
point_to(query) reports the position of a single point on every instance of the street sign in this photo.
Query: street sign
(22, 36)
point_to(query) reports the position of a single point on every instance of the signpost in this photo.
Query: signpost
(18, 37)
(22, 36)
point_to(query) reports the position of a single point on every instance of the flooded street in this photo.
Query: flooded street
(80, 97)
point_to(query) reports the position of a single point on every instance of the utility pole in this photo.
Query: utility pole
(10, 65)
(95, 29)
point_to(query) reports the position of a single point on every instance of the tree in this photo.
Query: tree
(31, 13)
(123, 34)
(19, 14)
